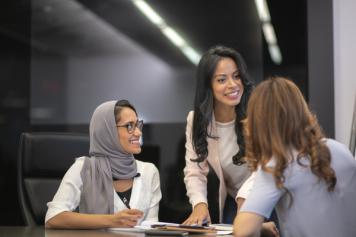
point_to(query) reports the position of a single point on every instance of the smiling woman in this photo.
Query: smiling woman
(214, 134)
(110, 187)
(126, 117)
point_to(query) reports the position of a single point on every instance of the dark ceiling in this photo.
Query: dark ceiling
(85, 27)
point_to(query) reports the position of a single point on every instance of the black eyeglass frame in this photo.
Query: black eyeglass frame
(131, 127)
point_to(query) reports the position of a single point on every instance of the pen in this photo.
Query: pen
(205, 222)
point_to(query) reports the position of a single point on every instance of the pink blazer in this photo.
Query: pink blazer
(195, 177)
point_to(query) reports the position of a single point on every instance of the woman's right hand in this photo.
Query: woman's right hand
(200, 213)
(126, 218)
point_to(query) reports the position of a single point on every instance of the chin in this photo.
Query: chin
(236, 102)
(136, 151)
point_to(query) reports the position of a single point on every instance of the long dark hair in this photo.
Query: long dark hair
(203, 104)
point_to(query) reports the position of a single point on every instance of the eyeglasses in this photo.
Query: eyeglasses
(131, 126)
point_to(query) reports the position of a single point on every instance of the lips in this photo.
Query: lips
(135, 141)
(233, 94)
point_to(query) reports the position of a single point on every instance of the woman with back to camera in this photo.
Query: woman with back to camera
(214, 133)
(310, 180)
(111, 188)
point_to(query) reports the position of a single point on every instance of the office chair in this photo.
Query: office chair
(43, 159)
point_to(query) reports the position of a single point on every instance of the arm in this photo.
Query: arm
(73, 220)
(248, 225)
(195, 179)
(259, 205)
(239, 202)
(244, 190)
(60, 210)
(152, 214)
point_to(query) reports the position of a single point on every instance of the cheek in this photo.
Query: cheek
(122, 140)
(217, 89)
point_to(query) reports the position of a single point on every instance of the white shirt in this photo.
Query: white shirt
(145, 194)
(234, 175)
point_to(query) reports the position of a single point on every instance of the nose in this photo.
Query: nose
(232, 82)
(137, 132)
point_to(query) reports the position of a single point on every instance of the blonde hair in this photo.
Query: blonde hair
(278, 120)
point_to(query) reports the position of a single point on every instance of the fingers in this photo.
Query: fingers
(127, 218)
(271, 228)
(196, 220)
(192, 220)
(275, 230)
(132, 213)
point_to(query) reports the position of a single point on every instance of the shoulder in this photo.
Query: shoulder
(333, 144)
(73, 173)
(146, 168)
(337, 148)
(190, 116)
(79, 163)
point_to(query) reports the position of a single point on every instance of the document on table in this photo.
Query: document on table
(222, 229)
(145, 225)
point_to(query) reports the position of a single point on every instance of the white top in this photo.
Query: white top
(195, 174)
(145, 194)
(234, 175)
(315, 211)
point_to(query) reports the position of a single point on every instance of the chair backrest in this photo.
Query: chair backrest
(43, 159)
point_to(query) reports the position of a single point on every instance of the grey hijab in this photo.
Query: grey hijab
(107, 161)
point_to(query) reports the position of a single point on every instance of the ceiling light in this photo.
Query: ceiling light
(269, 34)
(173, 36)
(275, 53)
(148, 12)
(168, 31)
(268, 31)
(263, 11)
(191, 54)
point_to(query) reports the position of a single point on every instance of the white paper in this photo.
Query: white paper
(150, 223)
(145, 225)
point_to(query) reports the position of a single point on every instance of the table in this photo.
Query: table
(40, 231)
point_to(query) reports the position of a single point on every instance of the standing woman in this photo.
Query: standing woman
(310, 180)
(214, 133)
(110, 187)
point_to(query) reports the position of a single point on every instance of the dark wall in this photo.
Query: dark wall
(14, 99)
(321, 63)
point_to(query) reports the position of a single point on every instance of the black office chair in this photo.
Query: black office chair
(43, 159)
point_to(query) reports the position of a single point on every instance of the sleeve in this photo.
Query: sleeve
(195, 175)
(264, 195)
(246, 187)
(152, 214)
(68, 194)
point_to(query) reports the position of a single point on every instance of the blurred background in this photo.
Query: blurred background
(59, 59)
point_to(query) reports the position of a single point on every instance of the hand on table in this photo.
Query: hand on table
(199, 215)
(126, 218)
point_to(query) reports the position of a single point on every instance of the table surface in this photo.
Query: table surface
(40, 231)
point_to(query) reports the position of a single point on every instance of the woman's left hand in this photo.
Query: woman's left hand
(269, 229)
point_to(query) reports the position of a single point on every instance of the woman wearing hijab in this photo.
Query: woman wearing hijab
(110, 187)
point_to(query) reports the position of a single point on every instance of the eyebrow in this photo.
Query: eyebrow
(223, 74)
(130, 121)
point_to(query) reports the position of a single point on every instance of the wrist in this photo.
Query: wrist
(108, 221)
(200, 205)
